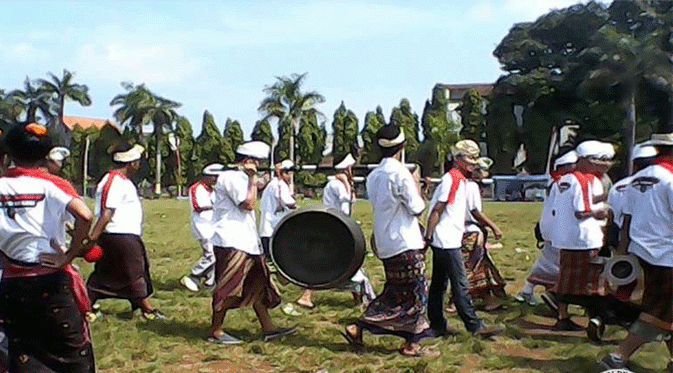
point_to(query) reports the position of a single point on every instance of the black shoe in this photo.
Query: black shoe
(566, 325)
(488, 331)
(443, 332)
(595, 330)
(278, 333)
(550, 300)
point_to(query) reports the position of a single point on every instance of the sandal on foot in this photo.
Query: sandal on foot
(225, 339)
(308, 306)
(269, 336)
(354, 341)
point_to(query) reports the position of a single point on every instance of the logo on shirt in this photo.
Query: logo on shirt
(562, 187)
(14, 201)
(644, 183)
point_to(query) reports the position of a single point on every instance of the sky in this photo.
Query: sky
(219, 55)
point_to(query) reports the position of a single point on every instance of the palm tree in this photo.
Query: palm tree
(62, 90)
(10, 110)
(286, 101)
(139, 106)
(32, 99)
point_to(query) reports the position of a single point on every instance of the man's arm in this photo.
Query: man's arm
(251, 196)
(433, 219)
(624, 239)
(102, 222)
(483, 219)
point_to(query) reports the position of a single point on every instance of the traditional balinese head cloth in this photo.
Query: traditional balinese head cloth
(484, 163)
(58, 154)
(254, 149)
(596, 150)
(466, 148)
(286, 165)
(567, 158)
(130, 155)
(213, 169)
(644, 151)
(345, 163)
(389, 136)
(28, 142)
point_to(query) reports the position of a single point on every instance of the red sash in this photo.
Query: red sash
(456, 178)
(585, 181)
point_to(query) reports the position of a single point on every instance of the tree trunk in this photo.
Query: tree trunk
(157, 180)
(630, 125)
(85, 167)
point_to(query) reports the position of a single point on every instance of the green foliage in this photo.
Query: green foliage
(439, 132)
(285, 131)
(209, 147)
(73, 169)
(406, 119)
(311, 179)
(262, 132)
(232, 137)
(344, 133)
(472, 115)
(373, 122)
(310, 141)
(62, 90)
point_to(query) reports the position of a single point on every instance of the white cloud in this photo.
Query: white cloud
(530, 10)
(139, 63)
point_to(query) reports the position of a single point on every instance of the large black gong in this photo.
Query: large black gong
(317, 248)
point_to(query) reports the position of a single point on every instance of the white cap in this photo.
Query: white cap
(213, 169)
(345, 163)
(595, 149)
(644, 151)
(133, 154)
(286, 165)
(567, 158)
(254, 149)
(660, 139)
(467, 148)
(58, 154)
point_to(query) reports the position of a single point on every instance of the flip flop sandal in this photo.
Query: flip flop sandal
(356, 343)
(307, 306)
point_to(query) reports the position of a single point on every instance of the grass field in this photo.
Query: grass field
(125, 343)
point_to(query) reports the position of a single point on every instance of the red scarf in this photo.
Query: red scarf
(665, 162)
(456, 178)
(585, 181)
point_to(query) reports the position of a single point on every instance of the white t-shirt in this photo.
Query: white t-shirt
(396, 203)
(650, 204)
(571, 233)
(118, 193)
(617, 199)
(449, 230)
(234, 226)
(336, 196)
(273, 205)
(201, 197)
(473, 201)
(33, 208)
(548, 218)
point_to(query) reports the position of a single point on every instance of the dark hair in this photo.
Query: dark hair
(389, 132)
(640, 163)
(27, 142)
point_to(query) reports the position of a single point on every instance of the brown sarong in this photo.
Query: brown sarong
(243, 277)
(657, 303)
(578, 275)
(482, 274)
(123, 271)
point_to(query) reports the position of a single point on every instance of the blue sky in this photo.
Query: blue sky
(219, 55)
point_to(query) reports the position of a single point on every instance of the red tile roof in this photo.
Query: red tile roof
(85, 123)
(483, 88)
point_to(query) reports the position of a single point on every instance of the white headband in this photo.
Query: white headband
(386, 143)
(130, 155)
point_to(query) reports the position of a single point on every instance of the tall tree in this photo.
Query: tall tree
(406, 119)
(139, 106)
(10, 111)
(286, 102)
(184, 171)
(32, 99)
(344, 133)
(233, 135)
(262, 132)
(62, 90)
(310, 141)
(373, 122)
(472, 111)
(209, 146)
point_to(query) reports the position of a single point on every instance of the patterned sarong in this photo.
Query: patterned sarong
(401, 308)
(482, 274)
(657, 303)
(46, 331)
(123, 271)
(579, 275)
(243, 277)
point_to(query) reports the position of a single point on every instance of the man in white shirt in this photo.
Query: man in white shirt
(276, 202)
(241, 274)
(444, 234)
(579, 223)
(647, 232)
(396, 204)
(201, 197)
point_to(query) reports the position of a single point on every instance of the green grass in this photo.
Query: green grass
(124, 343)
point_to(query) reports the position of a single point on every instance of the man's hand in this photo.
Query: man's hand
(250, 167)
(497, 233)
(57, 260)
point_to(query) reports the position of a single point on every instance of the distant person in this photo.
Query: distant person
(545, 272)
(276, 202)
(444, 234)
(339, 194)
(123, 271)
(241, 274)
(201, 196)
(396, 204)
(38, 276)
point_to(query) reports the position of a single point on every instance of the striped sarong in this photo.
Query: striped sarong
(579, 275)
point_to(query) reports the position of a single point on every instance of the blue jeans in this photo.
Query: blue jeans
(447, 265)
